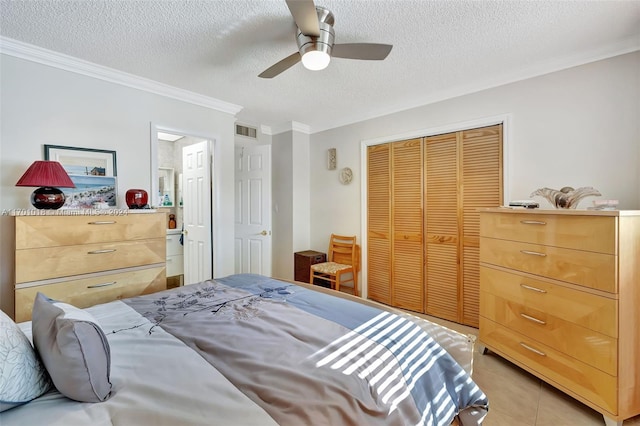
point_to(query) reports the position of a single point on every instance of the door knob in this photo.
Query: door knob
(263, 232)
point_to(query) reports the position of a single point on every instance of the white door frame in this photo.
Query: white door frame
(214, 213)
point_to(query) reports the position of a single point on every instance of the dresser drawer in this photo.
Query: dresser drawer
(553, 366)
(587, 310)
(588, 346)
(589, 269)
(52, 231)
(54, 262)
(589, 233)
(85, 292)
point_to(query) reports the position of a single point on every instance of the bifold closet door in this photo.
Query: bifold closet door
(406, 224)
(481, 186)
(441, 226)
(423, 224)
(379, 223)
(463, 172)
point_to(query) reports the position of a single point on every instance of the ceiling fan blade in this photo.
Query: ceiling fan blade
(305, 15)
(281, 66)
(366, 51)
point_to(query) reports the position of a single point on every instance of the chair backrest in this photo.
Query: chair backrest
(343, 249)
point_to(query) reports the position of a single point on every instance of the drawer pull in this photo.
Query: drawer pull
(534, 350)
(101, 285)
(528, 287)
(533, 222)
(101, 251)
(530, 318)
(534, 253)
(103, 222)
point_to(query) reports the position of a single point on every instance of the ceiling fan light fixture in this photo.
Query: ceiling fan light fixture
(316, 51)
(316, 60)
(315, 39)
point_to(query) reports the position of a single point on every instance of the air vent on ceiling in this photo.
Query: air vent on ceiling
(249, 132)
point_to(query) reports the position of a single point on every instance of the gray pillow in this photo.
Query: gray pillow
(73, 348)
(22, 375)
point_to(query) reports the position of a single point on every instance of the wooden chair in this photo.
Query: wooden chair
(343, 259)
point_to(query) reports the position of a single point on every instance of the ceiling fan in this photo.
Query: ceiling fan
(315, 38)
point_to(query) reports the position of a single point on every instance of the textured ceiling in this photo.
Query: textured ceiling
(217, 48)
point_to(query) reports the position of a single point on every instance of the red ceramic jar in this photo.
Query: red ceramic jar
(137, 198)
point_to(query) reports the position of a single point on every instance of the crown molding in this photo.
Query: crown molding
(39, 55)
(290, 126)
(266, 130)
(628, 45)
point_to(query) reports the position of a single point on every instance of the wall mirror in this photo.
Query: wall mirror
(166, 187)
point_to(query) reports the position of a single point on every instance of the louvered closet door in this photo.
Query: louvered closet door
(481, 154)
(379, 223)
(441, 226)
(406, 212)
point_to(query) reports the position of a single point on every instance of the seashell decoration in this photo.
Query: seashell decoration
(567, 197)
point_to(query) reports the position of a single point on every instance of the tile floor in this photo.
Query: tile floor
(517, 398)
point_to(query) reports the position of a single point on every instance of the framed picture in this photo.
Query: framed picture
(83, 161)
(93, 171)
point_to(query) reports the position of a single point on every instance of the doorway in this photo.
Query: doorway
(181, 184)
(253, 209)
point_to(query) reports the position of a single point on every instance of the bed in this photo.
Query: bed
(251, 350)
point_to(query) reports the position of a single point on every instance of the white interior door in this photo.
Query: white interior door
(253, 210)
(196, 188)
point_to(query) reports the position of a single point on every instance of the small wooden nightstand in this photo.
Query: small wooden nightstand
(303, 261)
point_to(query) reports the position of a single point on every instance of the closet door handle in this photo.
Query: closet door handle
(103, 222)
(530, 318)
(528, 287)
(533, 253)
(533, 222)
(101, 251)
(534, 350)
(101, 285)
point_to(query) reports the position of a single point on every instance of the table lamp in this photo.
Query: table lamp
(48, 175)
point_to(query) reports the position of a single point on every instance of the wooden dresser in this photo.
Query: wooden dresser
(88, 259)
(560, 297)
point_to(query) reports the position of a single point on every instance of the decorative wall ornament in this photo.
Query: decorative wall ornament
(332, 160)
(346, 176)
(567, 197)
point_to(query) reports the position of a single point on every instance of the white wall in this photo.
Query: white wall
(291, 199)
(282, 204)
(45, 105)
(577, 127)
(301, 197)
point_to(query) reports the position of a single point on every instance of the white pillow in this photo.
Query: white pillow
(22, 374)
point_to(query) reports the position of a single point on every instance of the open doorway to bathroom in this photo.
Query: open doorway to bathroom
(181, 185)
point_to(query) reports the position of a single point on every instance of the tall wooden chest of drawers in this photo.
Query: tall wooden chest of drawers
(560, 297)
(87, 259)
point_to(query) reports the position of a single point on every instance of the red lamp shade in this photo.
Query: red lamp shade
(48, 175)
